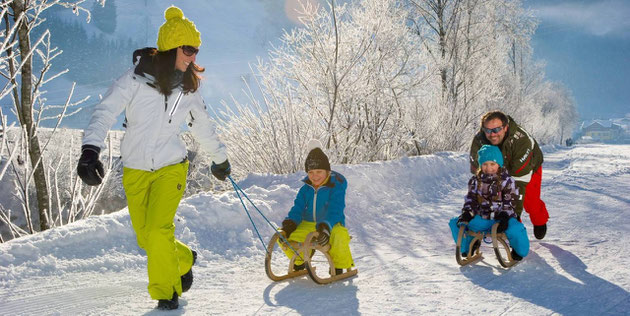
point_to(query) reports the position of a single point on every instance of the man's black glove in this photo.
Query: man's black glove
(220, 171)
(503, 219)
(288, 226)
(90, 169)
(324, 234)
(465, 217)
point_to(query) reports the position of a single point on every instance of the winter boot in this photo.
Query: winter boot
(475, 246)
(187, 279)
(516, 256)
(173, 303)
(338, 271)
(540, 231)
(298, 267)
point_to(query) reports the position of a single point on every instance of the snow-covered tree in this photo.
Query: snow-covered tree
(25, 64)
(558, 116)
(376, 80)
(347, 77)
(469, 43)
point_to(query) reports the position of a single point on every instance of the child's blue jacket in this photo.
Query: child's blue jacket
(329, 201)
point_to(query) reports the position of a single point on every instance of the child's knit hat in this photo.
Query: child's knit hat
(490, 153)
(316, 158)
(177, 31)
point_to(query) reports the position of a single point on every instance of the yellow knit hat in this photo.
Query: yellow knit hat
(177, 31)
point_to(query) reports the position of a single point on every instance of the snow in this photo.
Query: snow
(397, 213)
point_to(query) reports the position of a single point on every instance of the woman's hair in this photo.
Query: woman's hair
(164, 65)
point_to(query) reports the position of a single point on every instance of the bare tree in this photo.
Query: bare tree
(24, 83)
(347, 77)
(482, 55)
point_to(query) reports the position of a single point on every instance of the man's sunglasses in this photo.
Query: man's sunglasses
(189, 50)
(492, 130)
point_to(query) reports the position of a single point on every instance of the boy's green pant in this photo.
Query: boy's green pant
(153, 198)
(339, 244)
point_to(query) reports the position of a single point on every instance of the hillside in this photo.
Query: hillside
(397, 213)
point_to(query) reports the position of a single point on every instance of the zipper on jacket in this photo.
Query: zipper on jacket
(315, 206)
(179, 98)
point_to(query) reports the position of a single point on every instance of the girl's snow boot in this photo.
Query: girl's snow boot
(516, 256)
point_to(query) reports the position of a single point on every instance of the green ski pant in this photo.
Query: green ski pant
(153, 198)
(339, 244)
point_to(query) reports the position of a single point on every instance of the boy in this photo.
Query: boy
(319, 205)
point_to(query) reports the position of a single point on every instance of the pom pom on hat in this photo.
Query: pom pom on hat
(312, 144)
(490, 153)
(177, 31)
(173, 12)
(316, 158)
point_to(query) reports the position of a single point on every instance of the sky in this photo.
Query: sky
(401, 245)
(586, 46)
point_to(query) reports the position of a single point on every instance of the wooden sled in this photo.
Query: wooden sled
(497, 239)
(311, 247)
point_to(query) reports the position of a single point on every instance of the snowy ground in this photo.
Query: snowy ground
(397, 214)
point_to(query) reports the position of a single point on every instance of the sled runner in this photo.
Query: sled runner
(475, 255)
(318, 262)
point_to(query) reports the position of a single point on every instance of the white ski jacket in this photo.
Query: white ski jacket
(154, 123)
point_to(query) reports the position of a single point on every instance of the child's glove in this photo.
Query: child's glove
(465, 217)
(503, 219)
(288, 226)
(324, 234)
(220, 171)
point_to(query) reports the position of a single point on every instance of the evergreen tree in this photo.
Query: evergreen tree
(104, 17)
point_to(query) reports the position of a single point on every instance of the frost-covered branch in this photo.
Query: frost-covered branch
(26, 80)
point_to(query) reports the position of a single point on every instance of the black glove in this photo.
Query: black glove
(503, 219)
(324, 234)
(90, 169)
(288, 226)
(465, 217)
(220, 171)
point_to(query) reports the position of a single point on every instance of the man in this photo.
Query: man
(523, 160)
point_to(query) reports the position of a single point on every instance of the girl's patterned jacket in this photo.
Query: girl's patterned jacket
(489, 195)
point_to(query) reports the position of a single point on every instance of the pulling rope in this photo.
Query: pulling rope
(240, 192)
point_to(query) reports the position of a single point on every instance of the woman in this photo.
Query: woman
(158, 96)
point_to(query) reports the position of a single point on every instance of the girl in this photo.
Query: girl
(491, 196)
(158, 96)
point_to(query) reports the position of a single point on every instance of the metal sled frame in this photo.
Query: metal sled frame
(309, 246)
(497, 239)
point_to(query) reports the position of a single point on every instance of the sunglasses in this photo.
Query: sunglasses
(189, 50)
(495, 130)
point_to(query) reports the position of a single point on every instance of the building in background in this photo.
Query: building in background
(612, 131)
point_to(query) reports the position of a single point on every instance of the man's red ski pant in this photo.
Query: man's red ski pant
(532, 203)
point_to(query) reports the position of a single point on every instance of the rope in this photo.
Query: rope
(240, 191)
